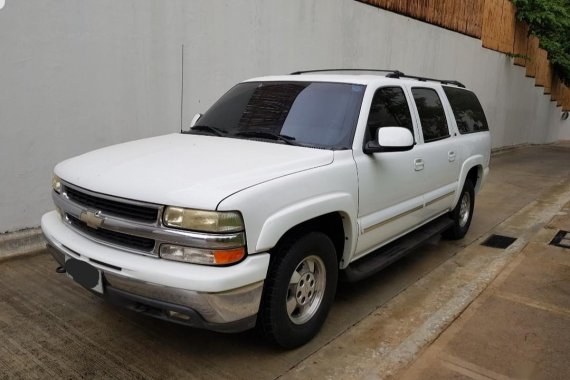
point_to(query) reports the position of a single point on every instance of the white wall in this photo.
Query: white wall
(81, 74)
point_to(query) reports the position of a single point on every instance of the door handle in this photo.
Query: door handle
(418, 164)
(451, 156)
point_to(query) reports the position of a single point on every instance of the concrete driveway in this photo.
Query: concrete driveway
(51, 327)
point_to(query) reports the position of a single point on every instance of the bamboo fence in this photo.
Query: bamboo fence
(495, 23)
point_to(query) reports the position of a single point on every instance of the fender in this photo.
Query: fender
(468, 164)
(282, 221)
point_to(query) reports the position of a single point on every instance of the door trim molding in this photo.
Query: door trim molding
(405, 213)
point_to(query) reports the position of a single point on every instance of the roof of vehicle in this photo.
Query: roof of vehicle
(354, 76)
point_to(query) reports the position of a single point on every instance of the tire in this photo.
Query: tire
(299, 290)
(462, 213)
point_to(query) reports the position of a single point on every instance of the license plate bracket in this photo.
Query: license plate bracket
(85, 274)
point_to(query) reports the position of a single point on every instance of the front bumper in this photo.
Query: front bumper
(222, 299)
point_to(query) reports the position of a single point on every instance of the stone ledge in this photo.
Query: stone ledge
(19, 243)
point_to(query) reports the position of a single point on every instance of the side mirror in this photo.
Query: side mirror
(195, 119)
(391, 139)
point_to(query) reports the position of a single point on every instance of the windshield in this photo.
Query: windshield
(315, 114)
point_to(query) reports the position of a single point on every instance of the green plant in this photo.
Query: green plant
(549, 20)
(523, 56)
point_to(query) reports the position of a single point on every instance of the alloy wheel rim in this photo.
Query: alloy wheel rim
(464, 209)
(306, 289)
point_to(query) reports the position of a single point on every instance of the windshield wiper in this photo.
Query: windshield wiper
(268, 135)
(207, 128)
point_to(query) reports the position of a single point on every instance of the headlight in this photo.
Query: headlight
(201, 256)
(204, 221)
(56, 184)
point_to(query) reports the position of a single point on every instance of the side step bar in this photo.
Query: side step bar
(384, 256)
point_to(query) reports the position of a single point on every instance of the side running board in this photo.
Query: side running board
(381, 258)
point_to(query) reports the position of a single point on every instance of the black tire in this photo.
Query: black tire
(460, 222)
(276, 323)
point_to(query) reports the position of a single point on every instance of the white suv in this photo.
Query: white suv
(284, 184)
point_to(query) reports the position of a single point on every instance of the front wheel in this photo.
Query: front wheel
(462, 213)
(299, 290)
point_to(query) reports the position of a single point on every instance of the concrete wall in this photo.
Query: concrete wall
(81, 74)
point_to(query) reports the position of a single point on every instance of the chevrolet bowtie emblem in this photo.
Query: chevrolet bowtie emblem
(92, 219)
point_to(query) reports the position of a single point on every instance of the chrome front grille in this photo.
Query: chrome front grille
(115, 238)
(113, 207)
(120, 223)
(129, 225)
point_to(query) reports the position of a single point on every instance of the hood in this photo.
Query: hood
(186, 170)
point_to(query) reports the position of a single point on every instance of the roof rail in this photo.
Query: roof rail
(396, 72)
(424, 79)
(391, 74)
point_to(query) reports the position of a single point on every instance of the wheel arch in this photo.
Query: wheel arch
(320, 214)
(471, 169)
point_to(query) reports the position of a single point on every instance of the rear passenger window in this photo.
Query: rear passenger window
(389, 109)
(432, 115)
(467, 110)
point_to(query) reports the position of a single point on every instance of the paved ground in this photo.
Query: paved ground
(519, 328)
(50, 327)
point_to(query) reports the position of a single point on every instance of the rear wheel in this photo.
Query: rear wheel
(299, 290)
(462, 213)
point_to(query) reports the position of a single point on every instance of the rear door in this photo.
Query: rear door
(436, 153)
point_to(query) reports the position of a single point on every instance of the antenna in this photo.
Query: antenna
(182, 91)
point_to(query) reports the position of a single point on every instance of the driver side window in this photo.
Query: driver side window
(389, 109)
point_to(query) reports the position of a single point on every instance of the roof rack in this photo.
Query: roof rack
(400, 74)
(391, 74)
(396, 72)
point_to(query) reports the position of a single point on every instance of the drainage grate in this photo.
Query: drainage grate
(498, 241)
(562, 239)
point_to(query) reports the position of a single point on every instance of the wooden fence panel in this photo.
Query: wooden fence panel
(462, 9)
(555, 92)
(474, 17)
(434, 12)
(376, 3)
(566, 99)
(499, 25)
(418, 9)
(548, 74)
(453, 16)
(492, 13)
(494, 22)
(541, 64)
(508, 23)
(520, 43)
(532, 53)
(463, 16)
(391, 5)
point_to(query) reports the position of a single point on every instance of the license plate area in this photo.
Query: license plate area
(85, 274)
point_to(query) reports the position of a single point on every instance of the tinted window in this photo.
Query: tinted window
(432, 115)
(389, 109)
(467, 110)
(312, 113)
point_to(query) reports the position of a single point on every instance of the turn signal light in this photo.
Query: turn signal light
(202, 256)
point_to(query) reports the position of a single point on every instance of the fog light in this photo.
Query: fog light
(177, 315)
(201, 256)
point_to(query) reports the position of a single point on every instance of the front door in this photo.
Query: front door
(390, 183)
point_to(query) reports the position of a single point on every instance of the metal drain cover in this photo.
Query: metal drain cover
(562, 239)
(498, 241)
